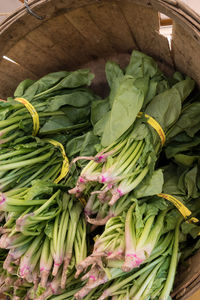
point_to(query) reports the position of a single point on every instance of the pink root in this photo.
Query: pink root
(97, 278)
(131, 261)
(22, 221)
(5, 241)
(2, 202)
(116, 255)
(116, 194)
(102, 157)
(82, 157)
(56, 267)
(99, 222)
(90, 260)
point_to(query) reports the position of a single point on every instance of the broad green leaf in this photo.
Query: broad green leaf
(189, 121)
(141, 64)
(150, 186)
(100, 125)
(126, 105)
(75, 99)
(20, 90)
(98, 109)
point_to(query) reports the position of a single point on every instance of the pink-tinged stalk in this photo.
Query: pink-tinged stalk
(3, 204)
(74, 217)
(30, 259)
(24, 221)
(6, 241)
(88, 210)
(46, 262)
(59, 243)
(99, 222)
(146, 243)
(53, 288)
(130, 240)
(127, 186)
(96, 277)
(14, 255)
(90, 260)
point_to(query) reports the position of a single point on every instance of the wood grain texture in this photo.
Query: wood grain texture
(144, 24)
(186, 52)
(11, 75)
(97, 40)
(111, 22)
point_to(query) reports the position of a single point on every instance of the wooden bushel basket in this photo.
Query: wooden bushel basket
(74, 33)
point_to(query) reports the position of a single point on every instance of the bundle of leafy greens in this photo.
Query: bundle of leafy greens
(26, 159)
(145, 232)
(60, 99)
(104, 212)
(131, 145)
(45, 234)
(152, 279)
(46, 250)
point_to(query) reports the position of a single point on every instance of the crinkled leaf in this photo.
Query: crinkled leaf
(75, 99)
(141, 64)
(49, 230)
(188, 121)
(20, 90)
(171, 220)
(150, 186)
(113, 71)
(190, 228)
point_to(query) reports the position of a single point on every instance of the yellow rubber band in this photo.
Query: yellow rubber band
(33, 112)
(186, 213)
(65, 166)
(151, 121)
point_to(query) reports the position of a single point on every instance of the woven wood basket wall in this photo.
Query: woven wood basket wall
(76, 33)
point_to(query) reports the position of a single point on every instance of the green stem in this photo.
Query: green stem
(27, 162)
(172, 269)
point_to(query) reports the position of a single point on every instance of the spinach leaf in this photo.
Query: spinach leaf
(20, 90)
(98, 109)
(189, 121)
(127, 103)
(150, 186)
(141, 64)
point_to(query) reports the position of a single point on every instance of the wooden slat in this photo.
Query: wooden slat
(8, 85)
(186, 52)
(32, 58)
(67, 38)
(11, 75)
(111, 22)
(144, 23)
(15, 70)
(44, 42)
(97, 40)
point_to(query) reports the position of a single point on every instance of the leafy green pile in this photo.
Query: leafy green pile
(141, 182)
(45, 234)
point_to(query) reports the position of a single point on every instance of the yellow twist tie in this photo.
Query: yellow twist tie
(151, 121)
(65, 166)
(186, 213)
(34, 114)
